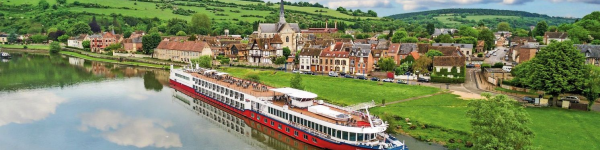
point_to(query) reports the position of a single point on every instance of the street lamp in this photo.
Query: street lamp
(417, 75)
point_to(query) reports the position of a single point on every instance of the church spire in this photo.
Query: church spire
(281, 14)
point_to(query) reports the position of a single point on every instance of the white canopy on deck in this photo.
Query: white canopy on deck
(222, 73)
(295, 93)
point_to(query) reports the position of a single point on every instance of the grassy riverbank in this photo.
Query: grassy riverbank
(40, 47)
(74, 54)
(341, 90)
(443, 117)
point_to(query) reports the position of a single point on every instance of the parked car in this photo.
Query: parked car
(348, 76)
(281, 68)
(470, 65)
(401, 82)
(422, 80)
(342, 74)
(495, 54)
(361, 77)
(572, 99)
(333, 74)
(528, 99)
(309, 73)
(295, 71)
(388, 80)
(374, 79)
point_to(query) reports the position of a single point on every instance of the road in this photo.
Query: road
(500, 54)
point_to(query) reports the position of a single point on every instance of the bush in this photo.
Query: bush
(55, 47)
(24, 46)
(439, 79)
(480, 55)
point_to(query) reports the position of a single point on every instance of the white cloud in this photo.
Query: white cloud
(425, 4)
(124, 130)
(27, 106)
(581, 1)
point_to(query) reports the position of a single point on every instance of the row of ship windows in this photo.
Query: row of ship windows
(351, 136)
(182, 76)
(221, 98)
(219, 89)
(221, 119)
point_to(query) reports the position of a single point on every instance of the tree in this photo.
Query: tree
(63, 38)
(200, 24)
(80, 28)
(504, 26)
(192, 37)
(150, 42)
(467, 40)
(468, 31)
(521, 33)
(204, 61)
(61, 1)
(422, 65)
(430, 28)
(556, 69)
(498, 65)
(54, 47)
(499, 122)
(12, 38)
(595, 42)
(386, 64)
(181, 33)
(94, 26)
(432, 53)
(579, 35)
(279, 60)
(38, 38)
(112, 47)
(540, 29)
(444, 38)
(489, 38)
(403, 68)
(408, 59)
(86, 44)
(43, 4)
(409, 40)
(296, 82)
(592, 85)
(553, 29)
(287, 52)
(398, 35)
(126, 34)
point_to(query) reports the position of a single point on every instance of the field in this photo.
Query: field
(147, 9)
(554, 128)
(341, 90)
(44, 47)
(444, 19)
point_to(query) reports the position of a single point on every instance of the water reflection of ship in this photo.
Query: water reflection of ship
(246, 129)
(76, 61)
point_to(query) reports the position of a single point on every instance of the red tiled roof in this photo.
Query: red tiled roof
(394, 48)
(415, 55)
(197, 46)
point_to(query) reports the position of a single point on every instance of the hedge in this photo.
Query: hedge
(439, 79)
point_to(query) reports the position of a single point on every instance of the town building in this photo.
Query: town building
(77, 41)
(100, 41)
(182, 51)
(555, 36)
(437, 32)
(527, 52)
(264, 50)
(465, 49)
(591, 52)
(237, 52)
(405, 50)
(309, 59)
(449, 62)
(290, 33)
(335, 58)
(361, 59)
(3, 38)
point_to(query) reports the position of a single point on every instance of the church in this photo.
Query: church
(290, 33)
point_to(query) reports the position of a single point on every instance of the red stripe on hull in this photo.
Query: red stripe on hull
(248, 114)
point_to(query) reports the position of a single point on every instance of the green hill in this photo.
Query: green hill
(453, 18)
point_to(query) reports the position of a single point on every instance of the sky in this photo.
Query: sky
(563, 8)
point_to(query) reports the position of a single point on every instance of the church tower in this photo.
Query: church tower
(281, 15)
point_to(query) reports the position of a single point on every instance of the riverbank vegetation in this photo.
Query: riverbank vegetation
(442, 119)
(74, 54)
(341, 91)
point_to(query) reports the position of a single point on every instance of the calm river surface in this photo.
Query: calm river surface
(63, 103)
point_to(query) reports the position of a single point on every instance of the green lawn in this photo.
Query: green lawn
(444, 19)
(44, 47)
(74, 54)
(341, 90)
(554, 128)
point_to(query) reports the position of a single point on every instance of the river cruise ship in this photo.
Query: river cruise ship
(292, 112)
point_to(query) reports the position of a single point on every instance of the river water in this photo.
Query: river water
(65, 103)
